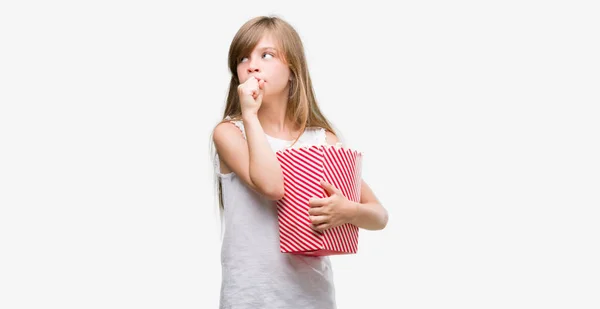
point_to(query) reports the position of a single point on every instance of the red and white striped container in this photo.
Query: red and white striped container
(303, 169)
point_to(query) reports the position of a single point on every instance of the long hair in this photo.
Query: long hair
(302, 108)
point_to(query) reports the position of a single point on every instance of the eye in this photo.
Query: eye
(268, 54)
(243, 59)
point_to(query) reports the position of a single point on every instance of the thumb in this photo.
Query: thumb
(329, 187)
(259, 98)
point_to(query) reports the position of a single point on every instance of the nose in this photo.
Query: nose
(252, 66)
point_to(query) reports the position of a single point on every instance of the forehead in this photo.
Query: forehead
(268, 41)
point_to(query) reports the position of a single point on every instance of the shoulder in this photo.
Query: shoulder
(225, 131)
(330, 137)
(322, 135)
(223, 128)
(325, 136)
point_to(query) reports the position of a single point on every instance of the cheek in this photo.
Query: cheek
(280, 77)
(241, 73)
(276, 84)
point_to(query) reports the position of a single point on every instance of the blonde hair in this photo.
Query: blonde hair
(302, 108)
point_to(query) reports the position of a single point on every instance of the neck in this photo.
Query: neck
(272, 117)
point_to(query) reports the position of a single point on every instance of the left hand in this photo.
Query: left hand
(332, 211)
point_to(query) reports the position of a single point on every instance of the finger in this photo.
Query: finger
(316, 220)
(247, 89)
(329, 188)
(320, 227)
(316, 211)
(259, 97)
(261, 84)
(251, 82)
(254, 81)
(255, 92)
(316, 202)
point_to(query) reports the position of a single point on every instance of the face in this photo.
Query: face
(265, 62)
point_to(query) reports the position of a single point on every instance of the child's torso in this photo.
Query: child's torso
(255, 274)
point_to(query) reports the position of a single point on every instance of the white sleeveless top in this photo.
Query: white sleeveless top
(255, 274)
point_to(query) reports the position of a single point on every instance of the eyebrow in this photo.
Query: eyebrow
(267, 47)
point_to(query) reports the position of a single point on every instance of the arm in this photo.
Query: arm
(369, 213)
(264, 168)
(252, 160)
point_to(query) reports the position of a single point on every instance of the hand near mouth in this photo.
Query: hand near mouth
(251, 94)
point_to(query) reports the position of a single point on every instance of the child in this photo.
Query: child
(270, 106)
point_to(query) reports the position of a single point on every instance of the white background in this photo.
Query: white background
(478, 120)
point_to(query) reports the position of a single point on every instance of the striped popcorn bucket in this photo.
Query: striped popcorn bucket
(303, 169)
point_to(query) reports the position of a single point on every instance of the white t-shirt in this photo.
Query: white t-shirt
(255, 274)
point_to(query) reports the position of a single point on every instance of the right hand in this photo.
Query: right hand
(251, 94)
